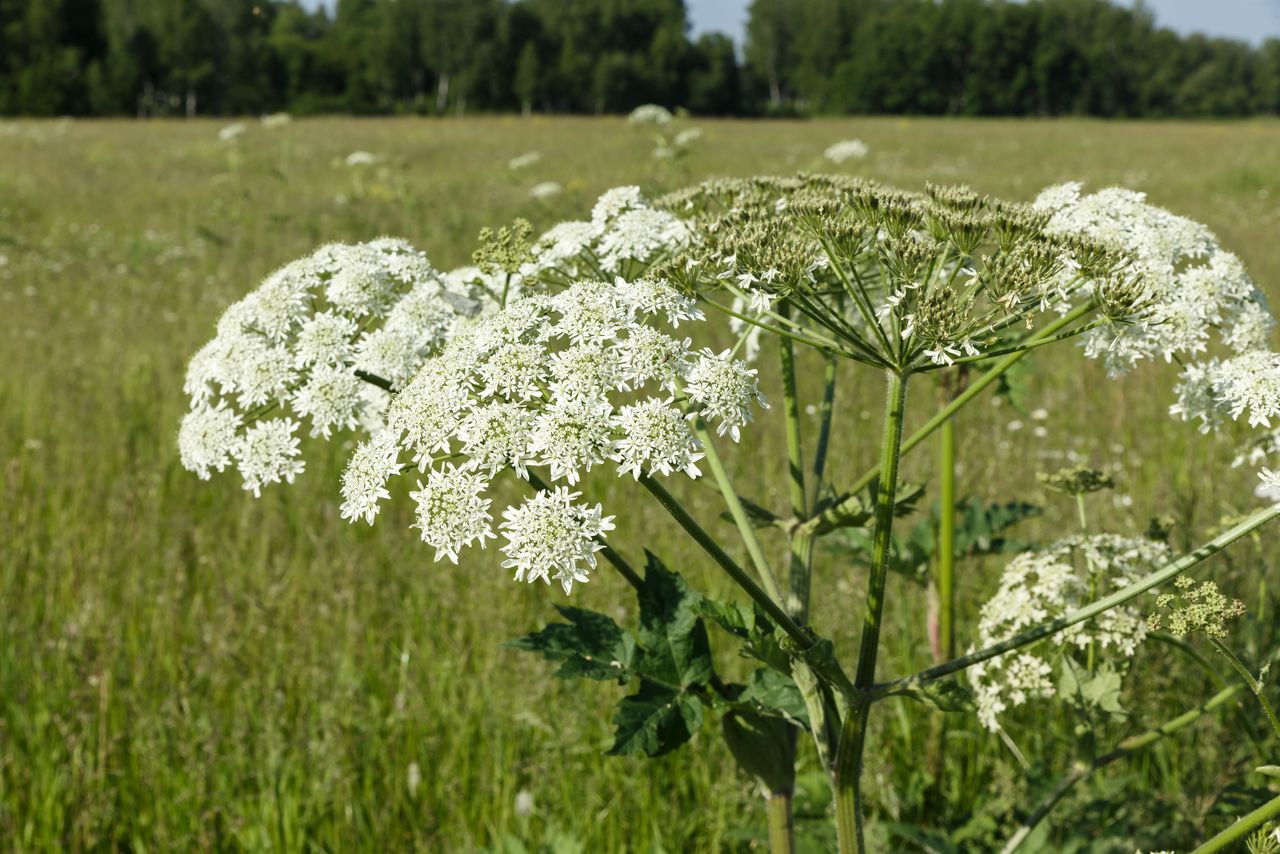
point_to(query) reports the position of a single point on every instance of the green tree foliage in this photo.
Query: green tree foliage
(957, 57)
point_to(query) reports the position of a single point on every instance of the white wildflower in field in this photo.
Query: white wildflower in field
(726, 389)
(362, 158)
(1043, 585)
(625, 236)
(524, 161)
(296, 343)
(232, 132)
(641, 236)
(538, 384)
(273, 121)
(1198, 292)
(847, 149)
(1197, 287)
(545, 190)
(207, 437)
(687, 137)
(364, 481)
(650, 114)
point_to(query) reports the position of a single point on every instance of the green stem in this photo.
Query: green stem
(801, 544)
(1241, 828)
(848, 767)
(374, 379)
(739, 575)
(745, 529)
(1254, 685)
(853, 494)
(1052, 627)
(947, 540)
(1125, 748)
(824, 430)
(782, 839)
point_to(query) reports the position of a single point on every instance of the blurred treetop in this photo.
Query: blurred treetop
(958, 57)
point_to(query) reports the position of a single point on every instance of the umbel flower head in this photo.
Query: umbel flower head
(1042, 585)
(1195, 288)
(542, 384)
(1199, 296)
(297, 344)
(1195, 609)
(897, 280)
(624, 237)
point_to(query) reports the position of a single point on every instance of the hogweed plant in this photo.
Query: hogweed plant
(585, 353)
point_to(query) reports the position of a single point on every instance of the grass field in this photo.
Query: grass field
(183, 667)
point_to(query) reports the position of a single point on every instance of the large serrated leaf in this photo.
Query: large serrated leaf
(763, 746)
(676, 648)
(771, 692)
(654, 721)
(589, 646)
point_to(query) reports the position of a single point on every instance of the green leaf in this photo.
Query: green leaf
(654, 721)
(979, 527)
(774, 693)
(1101, 691)
(1014, 385)
(759, 517)
(763, 746)
(736, 618)
(1268, 770)
(945, 695)
(676, 648)
(589, 646)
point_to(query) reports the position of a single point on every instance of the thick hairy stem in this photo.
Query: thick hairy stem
(1052, 627)
(1242, 828)
(848, 768)
(739, 575)
(782, 839)
(1129, 746)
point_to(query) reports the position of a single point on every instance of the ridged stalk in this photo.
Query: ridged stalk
(848, 766)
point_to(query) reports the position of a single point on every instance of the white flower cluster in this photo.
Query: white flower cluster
(294, 344)
(1199, 289)
(846, 149)
(625, 236)
(1044, 585)
(537, 384)
(1197, 286)
(523, 161)
(675, 147)
(650, 114)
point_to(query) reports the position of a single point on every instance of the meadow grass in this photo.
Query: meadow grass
(183, 667)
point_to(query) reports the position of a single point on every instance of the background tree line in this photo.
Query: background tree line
(961, 57)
